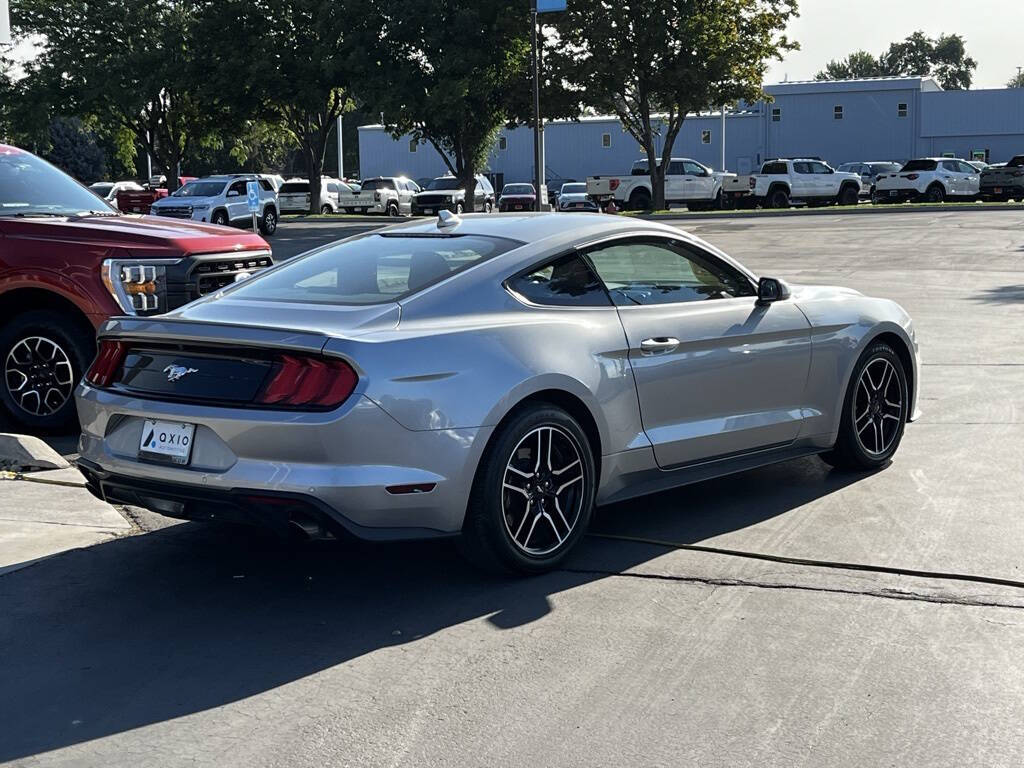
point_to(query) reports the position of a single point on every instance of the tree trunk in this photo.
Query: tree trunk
(468, 180)
(315, 163)
(658, 187)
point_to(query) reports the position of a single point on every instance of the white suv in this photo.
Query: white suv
(221, 200)
(294, 195)
(931, 180)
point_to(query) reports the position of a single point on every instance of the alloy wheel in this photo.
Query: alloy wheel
(270, 222)
(878, 406)
(543, 489)
(39, 375)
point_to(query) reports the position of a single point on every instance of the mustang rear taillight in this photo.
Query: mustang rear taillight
(103, 369)
(298, 382)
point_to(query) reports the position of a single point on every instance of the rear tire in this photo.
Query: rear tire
(49, 352)
(531, 502)
(640, 200)
(874, 412)
(848, 196)
(325, 210)
(936, 193)
(778, 198)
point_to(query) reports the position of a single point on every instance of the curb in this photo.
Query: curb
(865, 209)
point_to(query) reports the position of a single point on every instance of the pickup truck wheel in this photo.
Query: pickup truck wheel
(459, 208)
(219, 217)
(935, 194)
(268, 222)
(640, 200)
(392, 209)
(325, 210)
(848, 196)
(778, 198)
(43, 354)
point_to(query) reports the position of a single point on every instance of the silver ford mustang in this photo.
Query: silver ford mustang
(491, 378)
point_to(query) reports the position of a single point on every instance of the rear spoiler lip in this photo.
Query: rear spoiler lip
(179, 330)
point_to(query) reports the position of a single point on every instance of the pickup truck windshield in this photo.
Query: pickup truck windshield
(444, 182)
(920, 165)
(372, 270)
(32, 187)
(200, 189)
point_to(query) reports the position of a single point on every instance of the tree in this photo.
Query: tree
(944, 58)
(858, 64)
(673, 57)
(132, 66)
(1017, 81)
(443, 72)
(74, 150)
(300, 80)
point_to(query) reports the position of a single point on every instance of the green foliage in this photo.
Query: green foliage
(74, 150)
(944, 58)
(443, 72)
(1017, 81)
(857, 65)
(131, 65)
(641, 58)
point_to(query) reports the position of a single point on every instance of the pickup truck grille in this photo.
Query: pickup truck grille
(212, 275)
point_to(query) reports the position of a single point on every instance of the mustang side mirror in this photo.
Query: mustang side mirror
(771, 289)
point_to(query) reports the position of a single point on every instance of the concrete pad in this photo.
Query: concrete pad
(70, 476)
(26, 452)
(57, 504)
(23, 543)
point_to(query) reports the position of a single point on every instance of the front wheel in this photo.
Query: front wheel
(325, 210)
(936, 193)
(459, 208)
(393, 210)
(44, 354)
(874, 413)
(848, 196)
(533, 494)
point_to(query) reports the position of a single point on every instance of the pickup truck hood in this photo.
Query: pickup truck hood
(172, 201)
(820, 292)
(144, 232)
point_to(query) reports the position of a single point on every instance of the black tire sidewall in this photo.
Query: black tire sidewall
(78, 344)
(484, 532)
(848, 441)
(219, 218)
(268, 222)
(779, 198)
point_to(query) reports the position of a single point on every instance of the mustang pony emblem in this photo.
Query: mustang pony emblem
(175, 372)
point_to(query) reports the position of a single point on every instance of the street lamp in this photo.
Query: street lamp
(539, 177)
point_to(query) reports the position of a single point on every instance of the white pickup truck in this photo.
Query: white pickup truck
(782, 182)
(687, 182)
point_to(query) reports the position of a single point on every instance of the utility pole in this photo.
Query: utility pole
(722, 166)
(341, 157)
(538, 152)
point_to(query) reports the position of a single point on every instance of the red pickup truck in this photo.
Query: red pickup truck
(141, 200)
(68, 261)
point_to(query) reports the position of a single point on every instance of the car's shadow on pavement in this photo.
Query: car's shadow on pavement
(152, 627)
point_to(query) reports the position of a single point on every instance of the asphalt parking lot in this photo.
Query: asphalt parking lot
(184, 644)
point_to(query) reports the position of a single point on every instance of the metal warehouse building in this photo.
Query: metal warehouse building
(839, 121)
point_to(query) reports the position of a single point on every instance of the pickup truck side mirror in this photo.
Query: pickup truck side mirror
(771, 289)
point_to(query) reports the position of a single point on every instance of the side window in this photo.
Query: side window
(676, 168)
(818, 168)
(239, 187)
(965, 168)
(566, 282)
(802, 168)
(774, 169)
(692, 169)
(266, 186)
(332, 188)
(657, 272)
(950, 165)
(776, 114)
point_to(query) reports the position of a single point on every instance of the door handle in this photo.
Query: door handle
(659, 344)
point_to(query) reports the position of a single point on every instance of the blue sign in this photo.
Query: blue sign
(549, 6)
(252, 192)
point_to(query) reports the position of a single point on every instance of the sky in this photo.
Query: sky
(831, 29)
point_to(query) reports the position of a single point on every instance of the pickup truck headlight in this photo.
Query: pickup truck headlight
(138, 287)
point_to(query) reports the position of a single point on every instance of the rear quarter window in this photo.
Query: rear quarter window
(920, 165)
(774, 168)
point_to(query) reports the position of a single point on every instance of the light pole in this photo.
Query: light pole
(538, 7)
(341, 157)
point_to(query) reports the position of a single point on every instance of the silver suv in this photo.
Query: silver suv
(221, 200)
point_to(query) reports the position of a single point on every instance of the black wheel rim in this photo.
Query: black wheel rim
(269, 221)
(39, 375)
(878, 407)
(543, 490)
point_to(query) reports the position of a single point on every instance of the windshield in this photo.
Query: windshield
(292, 187)
(372, 270)
(31, 186)
(517, 189)
(574, 189)
(884, 167)
(920, 165)
(444, 182)
(200, 189)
